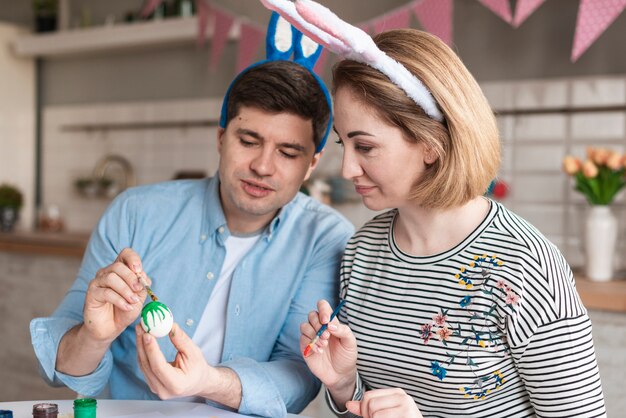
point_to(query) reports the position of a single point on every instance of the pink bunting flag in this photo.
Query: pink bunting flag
(203, 20)
(249, 40)
(435, 16)
(395, 19)
(500, 7)
(221, 29)
(525, 8)
(594, 16)
(365, 27)
(149, 7)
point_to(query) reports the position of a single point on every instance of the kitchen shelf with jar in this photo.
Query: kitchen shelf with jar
(118, 37)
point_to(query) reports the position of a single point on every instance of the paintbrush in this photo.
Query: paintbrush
(145, 285)
(309, 348)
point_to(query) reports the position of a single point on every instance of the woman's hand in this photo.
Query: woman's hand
(333, 359)
(385, 403)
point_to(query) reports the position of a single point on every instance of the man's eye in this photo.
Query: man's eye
(287, 155)
(246, 143)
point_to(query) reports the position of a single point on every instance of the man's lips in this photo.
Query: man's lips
(256, 189)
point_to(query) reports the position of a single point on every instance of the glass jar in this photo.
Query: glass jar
(45, 410)
(85, 408)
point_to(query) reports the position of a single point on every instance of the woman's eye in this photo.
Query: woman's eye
(363, 148)
(339, 141)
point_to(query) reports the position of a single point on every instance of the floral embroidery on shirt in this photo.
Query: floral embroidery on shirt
(477, 333)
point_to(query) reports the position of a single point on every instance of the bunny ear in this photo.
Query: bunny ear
(306, 51)
(280, 39)
(287, 9)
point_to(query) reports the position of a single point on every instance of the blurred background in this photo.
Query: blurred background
(96, 97)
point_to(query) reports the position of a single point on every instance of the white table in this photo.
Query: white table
(108, 408)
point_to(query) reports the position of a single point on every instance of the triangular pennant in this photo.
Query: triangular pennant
(250, 39)
(203, 20)
(594, 16)
(525, 8)
(149, 7)
(365, 27)
(435, 16)
(500, 7)
(396, 19)
(221, 29)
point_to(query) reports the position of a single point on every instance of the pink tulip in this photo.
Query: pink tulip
(589, 169)
(590, 153)
(571, 165)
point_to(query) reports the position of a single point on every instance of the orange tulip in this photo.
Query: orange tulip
(571, 165)
(614, 162)
(589, 169)
(600, 156)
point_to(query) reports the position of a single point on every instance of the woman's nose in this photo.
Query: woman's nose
(350, 167)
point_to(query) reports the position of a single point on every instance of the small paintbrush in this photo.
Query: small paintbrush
(309, 348)
(145, 285)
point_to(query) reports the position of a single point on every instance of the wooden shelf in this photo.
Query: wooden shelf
(123, 36)
(604, 296)
(44, 243)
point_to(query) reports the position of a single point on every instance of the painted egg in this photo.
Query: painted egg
(156, 319)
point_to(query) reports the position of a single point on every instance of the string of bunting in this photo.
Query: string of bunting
(434, 16)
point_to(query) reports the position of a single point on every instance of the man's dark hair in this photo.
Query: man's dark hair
(281, 86)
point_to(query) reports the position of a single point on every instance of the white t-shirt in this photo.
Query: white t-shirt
(210, 333)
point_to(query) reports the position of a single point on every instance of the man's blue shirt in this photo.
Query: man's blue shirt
(178, 229)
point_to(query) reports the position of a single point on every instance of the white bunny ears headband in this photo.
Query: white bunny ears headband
(327, 29)
(281, 42)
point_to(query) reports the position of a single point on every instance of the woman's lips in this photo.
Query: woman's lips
(363, 190)
(256, 189)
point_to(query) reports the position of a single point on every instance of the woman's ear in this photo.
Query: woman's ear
(430, 156)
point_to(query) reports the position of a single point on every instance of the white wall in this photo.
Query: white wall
(17, 121)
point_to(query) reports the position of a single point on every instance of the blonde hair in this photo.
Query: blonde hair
(466, 144)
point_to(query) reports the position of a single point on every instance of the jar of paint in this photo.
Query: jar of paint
(85, 408)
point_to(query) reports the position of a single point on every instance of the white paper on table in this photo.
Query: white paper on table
(198, 411)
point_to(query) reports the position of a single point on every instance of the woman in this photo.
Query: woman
(455, 305)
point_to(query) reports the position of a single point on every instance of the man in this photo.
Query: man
(240, 259)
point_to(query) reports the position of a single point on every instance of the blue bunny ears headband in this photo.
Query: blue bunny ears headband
(281, 42)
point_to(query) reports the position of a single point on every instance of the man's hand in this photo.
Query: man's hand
(189, 374)
(114, 300)
(114, 297)
(385, 403)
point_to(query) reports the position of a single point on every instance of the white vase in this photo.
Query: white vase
(600, 240)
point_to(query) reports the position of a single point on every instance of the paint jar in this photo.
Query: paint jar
(45, 410)
(5, 413)
(85, 408)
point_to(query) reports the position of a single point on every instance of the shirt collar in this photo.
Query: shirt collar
(214, 220)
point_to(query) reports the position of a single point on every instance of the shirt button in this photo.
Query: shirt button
(230, 357)
(220, 229)
(237, 310)
(202, 237)
(209, 276)
(189, 322)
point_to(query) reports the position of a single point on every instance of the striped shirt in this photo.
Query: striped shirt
(493, 327)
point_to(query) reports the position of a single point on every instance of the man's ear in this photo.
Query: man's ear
(220, 138)
(314, 162)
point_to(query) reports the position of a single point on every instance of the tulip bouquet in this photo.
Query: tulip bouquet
(600, 176)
